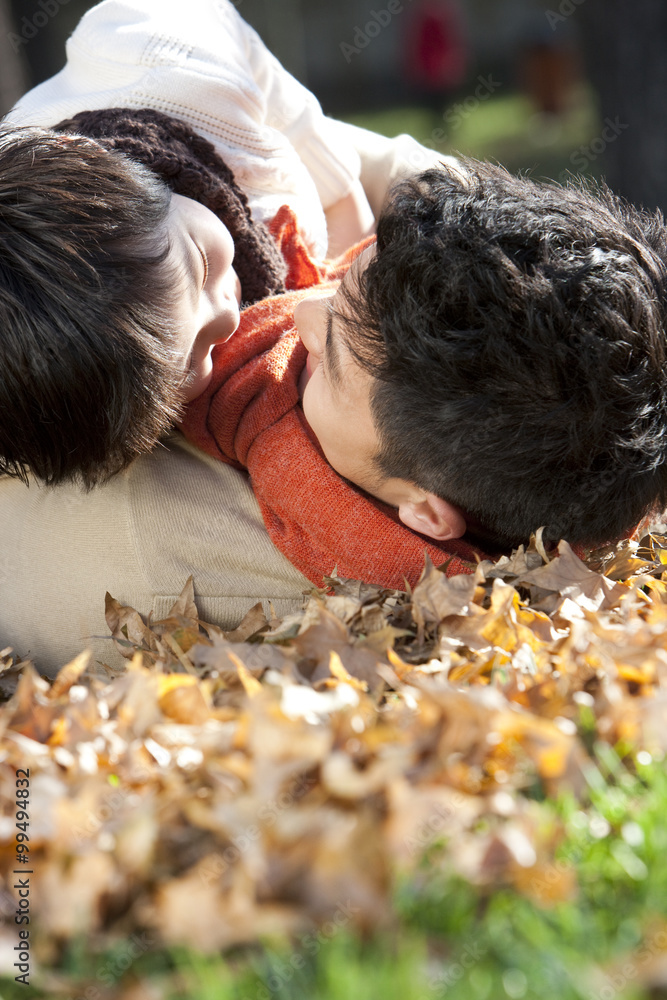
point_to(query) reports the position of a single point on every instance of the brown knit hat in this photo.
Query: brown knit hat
(190, 166)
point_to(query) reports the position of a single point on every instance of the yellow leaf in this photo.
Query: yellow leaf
(400, 666)
(250, 683)
(167, 683)
(340, 673)
(70, 674)
(185, 703)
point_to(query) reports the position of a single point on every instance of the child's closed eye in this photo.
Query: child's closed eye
(204, 262)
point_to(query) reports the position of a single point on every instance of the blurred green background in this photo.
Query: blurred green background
(506, 129)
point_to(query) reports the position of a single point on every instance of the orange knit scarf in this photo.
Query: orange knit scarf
(250, 416)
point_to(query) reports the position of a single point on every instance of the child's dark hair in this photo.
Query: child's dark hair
(517, 333)
(86, 377)
(87, 374)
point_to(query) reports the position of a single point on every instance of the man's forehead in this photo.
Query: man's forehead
(351, 278)
(337, 309)
(362, 260)
(354, 272)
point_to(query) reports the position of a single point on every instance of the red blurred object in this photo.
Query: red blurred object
(436, 49)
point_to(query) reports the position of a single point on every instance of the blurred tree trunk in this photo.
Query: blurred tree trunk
(13, 76)
(625, 46)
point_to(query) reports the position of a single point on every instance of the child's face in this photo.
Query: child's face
(207, 311)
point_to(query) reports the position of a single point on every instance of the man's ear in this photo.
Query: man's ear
(433, 517)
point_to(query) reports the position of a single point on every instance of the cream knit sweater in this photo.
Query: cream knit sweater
(199, 61)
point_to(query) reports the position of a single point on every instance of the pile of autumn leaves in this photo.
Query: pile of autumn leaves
(227, 786)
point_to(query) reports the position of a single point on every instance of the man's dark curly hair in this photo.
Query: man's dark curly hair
(516, 330)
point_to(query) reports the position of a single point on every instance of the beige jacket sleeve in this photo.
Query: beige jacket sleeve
(172, 513)
(385, 161)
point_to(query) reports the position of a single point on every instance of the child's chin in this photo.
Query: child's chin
(198, 388)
